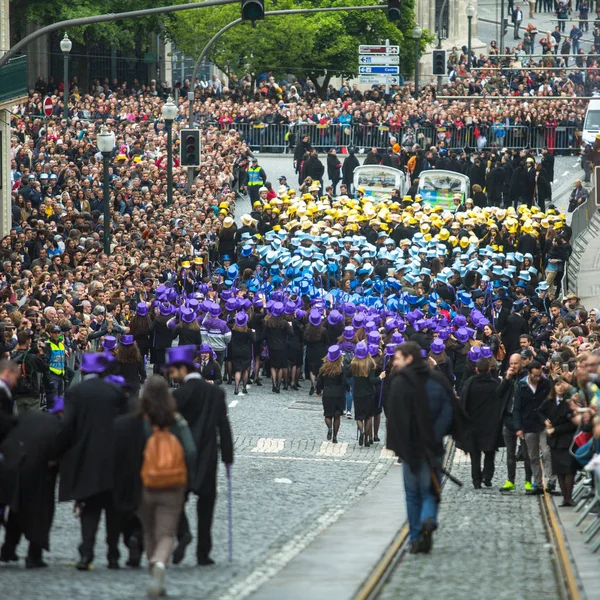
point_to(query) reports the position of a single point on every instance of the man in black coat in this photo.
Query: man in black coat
(10, 372)
(350, 163)
(203, 406)
(515, 326)
(478, 399)
(29, 450)
(548, 164)
(415, 432)
(86, 473)
(314, 168)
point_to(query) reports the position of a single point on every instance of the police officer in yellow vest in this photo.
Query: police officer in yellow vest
(256, 179)
(57, 357)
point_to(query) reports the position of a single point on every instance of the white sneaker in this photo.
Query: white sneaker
(157, 587)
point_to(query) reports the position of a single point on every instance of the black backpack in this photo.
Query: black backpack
(25, 384)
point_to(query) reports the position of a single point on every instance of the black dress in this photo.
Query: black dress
(364, 394)
(316, 351)
(560, 441)
(276, 338)
(334, 393)
(241, 350)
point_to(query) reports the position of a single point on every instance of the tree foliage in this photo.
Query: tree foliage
(321, 45)
(124, 35)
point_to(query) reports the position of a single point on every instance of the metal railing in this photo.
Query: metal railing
(280, 138)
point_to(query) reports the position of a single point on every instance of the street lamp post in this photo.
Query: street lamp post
(470, 14)
(417, 33)
(106, 144)
(169, 112)
(65, 45)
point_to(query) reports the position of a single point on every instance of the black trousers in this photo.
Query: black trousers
(90, 518)
(13, 537)
(205, 507)
(131, 528)
(488, 465)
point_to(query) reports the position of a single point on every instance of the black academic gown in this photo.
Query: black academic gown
(203, 406)
(87, 437)
(26, 479)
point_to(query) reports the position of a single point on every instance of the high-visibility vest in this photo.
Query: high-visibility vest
(254, 176)
(57, 358)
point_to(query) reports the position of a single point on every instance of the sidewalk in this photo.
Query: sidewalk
(337, 562)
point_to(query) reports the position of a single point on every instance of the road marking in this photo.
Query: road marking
(313, 459)
(233, 403)
(284, 480)
(329, 449)
(269, 445)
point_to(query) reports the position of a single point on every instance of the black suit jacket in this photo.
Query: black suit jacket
(87, 438)
(203, 407)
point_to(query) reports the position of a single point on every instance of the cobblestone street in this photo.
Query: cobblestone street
(489, 545)
(288, 485)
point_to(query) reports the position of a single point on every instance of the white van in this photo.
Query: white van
(591, 125)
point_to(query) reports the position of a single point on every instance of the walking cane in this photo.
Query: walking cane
(229, 514)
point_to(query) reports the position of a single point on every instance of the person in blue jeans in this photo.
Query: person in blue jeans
(415, 432)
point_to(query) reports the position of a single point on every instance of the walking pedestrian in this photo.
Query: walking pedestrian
(530, 393)
(517, 19)
(56, 354)
(315, 337)
(419, 416)
(242, 340)
(276, 331)
(364, 391)
(332, 383)
(86, 439)
(479, 400)
(129, 364)
(155, 456)
(203, 406)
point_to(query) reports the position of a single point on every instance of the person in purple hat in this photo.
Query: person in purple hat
(347, 342)
(257, 322)
(86, 445)
(481, 402)
(277, 330)
(315, 338)
(437, 353)
(109, 344)
(188, 328)
(295, 350)
(129, 364)
(203, 406)
(332, 384)
(334, 326)
(242, 340)
(161, 336)
(139, 328)
(210, 369)
(215, 331)
(365, 389)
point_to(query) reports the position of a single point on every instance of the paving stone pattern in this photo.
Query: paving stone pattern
(288, 485)
(489, 545)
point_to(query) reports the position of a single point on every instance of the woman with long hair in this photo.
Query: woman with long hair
(560, 430)
(347, 342)
(315, 337)
(139, 328)
(188, 329)
(242, 339)
(160, 508)
(130, 364)
(161, 333)
(332, 383)
(276, 331)
(366, 384)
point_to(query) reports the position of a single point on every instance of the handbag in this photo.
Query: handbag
(582, 438)
(501, 352)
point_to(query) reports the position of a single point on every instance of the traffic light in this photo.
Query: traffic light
(394, 10)
(253, 10)
(189, 147)
(505, 31)
(439, 62)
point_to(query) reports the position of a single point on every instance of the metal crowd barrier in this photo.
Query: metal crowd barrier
(282, 138)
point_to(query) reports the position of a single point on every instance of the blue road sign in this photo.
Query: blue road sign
(363, 70)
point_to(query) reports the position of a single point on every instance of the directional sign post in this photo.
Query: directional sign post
(48, 106)
(379, 65)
